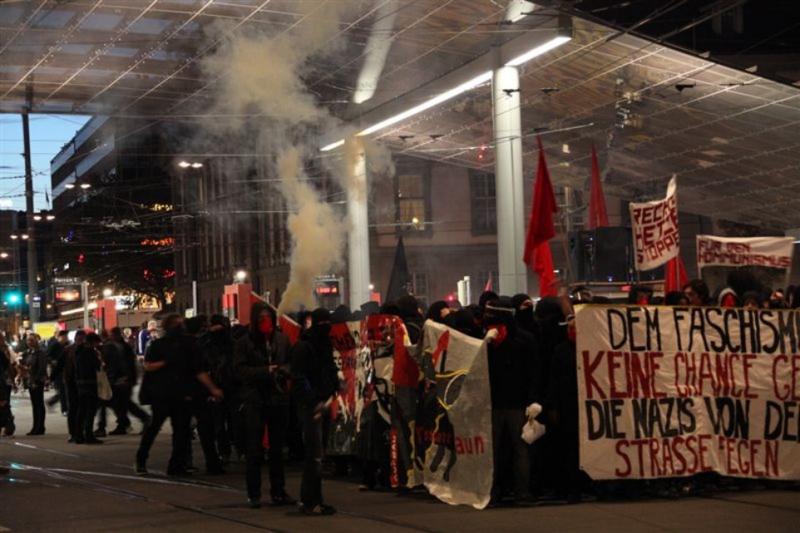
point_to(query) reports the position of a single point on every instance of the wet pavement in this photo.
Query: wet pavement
(47, 484)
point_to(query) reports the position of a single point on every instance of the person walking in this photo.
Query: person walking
(122, 375)
(55, 356)
(88, 362)
(172, 365)
(261, 362)
(71, 386)
(314, 383)
(34, 362)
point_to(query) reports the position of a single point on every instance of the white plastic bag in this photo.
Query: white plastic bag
(533, 430)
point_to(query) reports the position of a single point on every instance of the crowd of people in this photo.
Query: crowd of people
(251, 394)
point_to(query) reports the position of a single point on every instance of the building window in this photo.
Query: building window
(412, 196)
(419, 287)
(483, 203)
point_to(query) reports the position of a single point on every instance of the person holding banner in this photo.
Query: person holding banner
(512, 353)
(261, 362)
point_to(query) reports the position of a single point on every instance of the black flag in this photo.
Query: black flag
(400, 279)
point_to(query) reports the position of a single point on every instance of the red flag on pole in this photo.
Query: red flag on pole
(488, 286)
(598, 216)
(541, 229)
(675, 275)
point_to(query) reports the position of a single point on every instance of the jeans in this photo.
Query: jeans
(510, 448)
(37, 403)
(276, 420)
(179, 413)
(311, 485)
(87, 407)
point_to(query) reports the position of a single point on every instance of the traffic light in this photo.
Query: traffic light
(13, 297)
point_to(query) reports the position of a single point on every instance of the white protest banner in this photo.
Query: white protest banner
(773, 252)
(675, 391)
(453, 426)
(655, 230)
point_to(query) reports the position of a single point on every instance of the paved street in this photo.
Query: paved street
(52, 485)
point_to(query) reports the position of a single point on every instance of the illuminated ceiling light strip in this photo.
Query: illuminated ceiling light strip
(539, 50)
(455, 91)
(436, 100)
(332, 146)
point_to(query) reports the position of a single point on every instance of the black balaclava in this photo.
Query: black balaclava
(524, 315)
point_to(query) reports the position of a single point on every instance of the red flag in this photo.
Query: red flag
(598, 216)
(541, 229)
(675, 275)
(488, 286)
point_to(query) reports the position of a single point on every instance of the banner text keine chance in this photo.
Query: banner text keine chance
(677, 391)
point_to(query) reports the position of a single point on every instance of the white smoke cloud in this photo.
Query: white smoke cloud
(261, 75)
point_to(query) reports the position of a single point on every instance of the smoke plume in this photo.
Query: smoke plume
(260, 81)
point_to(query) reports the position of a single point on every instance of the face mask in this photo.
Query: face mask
(265, 325)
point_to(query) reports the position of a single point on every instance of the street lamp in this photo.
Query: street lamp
(24, 236)
(37, 218)
(197, 165)
(85, 185)
(3, 255)
(14, 236)
(69, 186)
(50, 218)
(107, 292)
(184, 164)
(240, 276)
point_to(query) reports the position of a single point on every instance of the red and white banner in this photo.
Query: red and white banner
(773, 252)
(675, 391)
(655, 230)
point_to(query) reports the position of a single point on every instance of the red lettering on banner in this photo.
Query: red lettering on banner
(624, 456)
(589, 368)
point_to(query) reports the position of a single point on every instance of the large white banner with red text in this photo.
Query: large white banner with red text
(772, 252)
(675, 391)
(655, 230)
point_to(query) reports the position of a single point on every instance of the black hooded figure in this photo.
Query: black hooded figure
(438, 311)
(523, 309)
(411, 317)
(261, 364)
(512, 353)
(218, 352)
(314, 382)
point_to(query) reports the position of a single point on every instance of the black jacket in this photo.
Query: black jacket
(36, 361)
(314, 373)
(562, 388)
(512, 371)
(86, 366)
(177, 379)
(251, 361)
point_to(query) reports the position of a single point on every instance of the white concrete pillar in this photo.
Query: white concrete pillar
(511, 223)
(358, 242)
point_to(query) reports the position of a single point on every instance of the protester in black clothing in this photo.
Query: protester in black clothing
(55, 355)
(464, 321)
(201, 403)
(696, 291)
(523, 313)
(485, 298)
(34, 362)
(71, 386)
(561, 408)
(217, 348)
(512, 353)
(438, 311)
(172, 366)
(122, 376)
(412, 317)
(315, 381)
(261, 362)
(87, 363)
